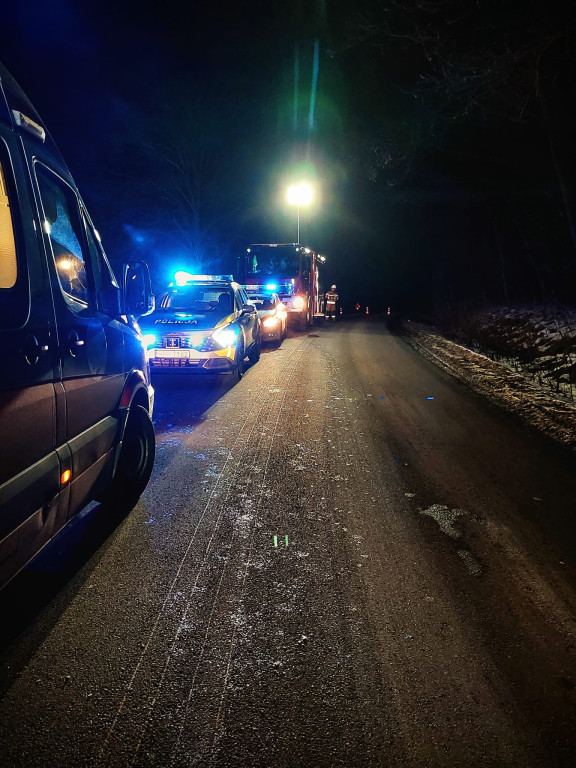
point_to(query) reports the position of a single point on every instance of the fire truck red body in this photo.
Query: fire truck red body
(289, 269)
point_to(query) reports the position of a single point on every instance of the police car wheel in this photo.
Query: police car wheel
(254, 355)
(135, 462)
(240, 355)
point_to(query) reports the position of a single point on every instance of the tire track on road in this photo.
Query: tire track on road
(243, 452)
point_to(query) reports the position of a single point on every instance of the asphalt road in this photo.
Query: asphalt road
(347, 559)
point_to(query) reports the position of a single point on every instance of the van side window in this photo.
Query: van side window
(14, 290)
(106, 287)
(8, 263)
(62, 225)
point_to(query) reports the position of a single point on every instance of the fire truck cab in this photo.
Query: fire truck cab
(291, 270)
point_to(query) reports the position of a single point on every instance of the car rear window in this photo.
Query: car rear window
(261, 302)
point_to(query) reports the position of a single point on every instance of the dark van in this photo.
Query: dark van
(75, 394)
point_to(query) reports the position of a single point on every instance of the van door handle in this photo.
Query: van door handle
(73, 342)
(31, 349)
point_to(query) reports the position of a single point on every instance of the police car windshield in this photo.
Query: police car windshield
(198, 299)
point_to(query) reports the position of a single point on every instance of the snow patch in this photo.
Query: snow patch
(445, 518)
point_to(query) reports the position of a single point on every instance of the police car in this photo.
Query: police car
(202, 324)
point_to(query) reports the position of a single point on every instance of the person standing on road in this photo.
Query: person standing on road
(331, 300)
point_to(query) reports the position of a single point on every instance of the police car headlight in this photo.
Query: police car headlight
(270, 322)
(225, 337)
(149, 340)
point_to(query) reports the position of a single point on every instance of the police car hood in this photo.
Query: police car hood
(177, 320)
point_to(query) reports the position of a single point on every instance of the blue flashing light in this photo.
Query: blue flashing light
(271, 286)
(181, 277)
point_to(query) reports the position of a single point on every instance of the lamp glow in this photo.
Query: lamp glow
(299, 195)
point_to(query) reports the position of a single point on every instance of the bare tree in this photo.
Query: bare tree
(171, 163)
(507, 60)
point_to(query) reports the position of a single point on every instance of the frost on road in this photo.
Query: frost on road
(330, 567)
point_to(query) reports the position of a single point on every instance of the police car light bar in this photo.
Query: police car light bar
(181, 278)
(285, 287)
(227, 278)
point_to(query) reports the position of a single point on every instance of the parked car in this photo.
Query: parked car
(272, 313)
(203, 324)
(75, 393)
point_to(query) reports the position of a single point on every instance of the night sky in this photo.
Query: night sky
(438, 136)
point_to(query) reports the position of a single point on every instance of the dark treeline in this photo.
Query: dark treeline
(439, 132)
(465, 126)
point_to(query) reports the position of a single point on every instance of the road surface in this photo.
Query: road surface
(347, 559)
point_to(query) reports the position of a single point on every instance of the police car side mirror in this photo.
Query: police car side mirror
(137, 289)
(248, 309)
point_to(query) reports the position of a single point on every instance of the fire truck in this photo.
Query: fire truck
(289, 269)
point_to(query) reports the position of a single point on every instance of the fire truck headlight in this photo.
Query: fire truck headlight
(298, 302)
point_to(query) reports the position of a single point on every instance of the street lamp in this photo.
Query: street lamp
(298, 195)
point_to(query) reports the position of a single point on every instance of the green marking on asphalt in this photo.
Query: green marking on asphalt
(275, 541)
(286, 540)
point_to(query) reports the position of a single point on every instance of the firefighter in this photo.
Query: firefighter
(331, 299)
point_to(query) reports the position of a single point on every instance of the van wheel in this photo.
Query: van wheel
(135, 462)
